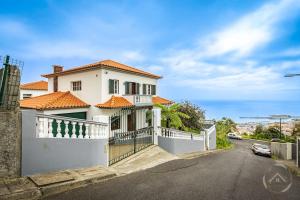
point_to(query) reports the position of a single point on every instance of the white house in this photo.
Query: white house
(99, 89)
(33, 89)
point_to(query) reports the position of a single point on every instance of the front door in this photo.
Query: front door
(130, 122)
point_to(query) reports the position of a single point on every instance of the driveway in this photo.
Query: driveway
(234, 174)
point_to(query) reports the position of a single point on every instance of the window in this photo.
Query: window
(26, 96)
(115, 123)
(149, 89)
(113, 86)
(132, 88)
(76, 85)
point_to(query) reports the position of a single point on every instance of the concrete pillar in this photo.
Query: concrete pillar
(156, 123)
(10, 143)
(298, 151)
(10, 121)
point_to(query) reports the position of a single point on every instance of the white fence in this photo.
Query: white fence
(49, 145)
(51, 126)
(174, 133)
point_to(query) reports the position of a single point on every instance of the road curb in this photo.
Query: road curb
(200, 154)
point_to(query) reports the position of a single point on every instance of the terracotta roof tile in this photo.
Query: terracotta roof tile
(56, 100)
(115, 102)
(38, 85)
(105, 64)
(160, 100)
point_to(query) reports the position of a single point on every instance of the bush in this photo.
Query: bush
(195, 113)
(223, 127)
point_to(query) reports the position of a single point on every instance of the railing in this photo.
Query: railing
(174, 133)
(51, 126)
(139, 99)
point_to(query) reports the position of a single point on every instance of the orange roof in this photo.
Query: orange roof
(160, 100)
(55, 100)
(110, 64)
(38, 85)
(115, 102)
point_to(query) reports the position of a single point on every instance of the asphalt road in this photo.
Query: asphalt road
(234, 174)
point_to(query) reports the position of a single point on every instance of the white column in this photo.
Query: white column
(73, 130)
(58, 135)
(41, 127)
(92, 133)
(156, 123)
(80, 130)
(50, 134)
(87, 131)
(67, 129)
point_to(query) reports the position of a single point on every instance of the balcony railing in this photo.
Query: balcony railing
(138, 99)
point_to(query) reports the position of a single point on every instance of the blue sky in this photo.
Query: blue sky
(206, 50)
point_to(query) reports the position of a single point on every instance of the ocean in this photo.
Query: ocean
(216, 109)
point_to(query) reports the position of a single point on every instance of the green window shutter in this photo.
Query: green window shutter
(111, 86)
(153, 89)
(144, 89)
(137, 88)
(126, 87)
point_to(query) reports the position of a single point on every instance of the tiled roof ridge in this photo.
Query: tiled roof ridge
(63, 94)
(104, 63)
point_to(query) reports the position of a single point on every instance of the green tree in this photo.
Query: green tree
(223, 127)
(259, 129)
(171, 116)
(195, 113)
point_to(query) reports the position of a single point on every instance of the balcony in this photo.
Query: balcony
(139, 100)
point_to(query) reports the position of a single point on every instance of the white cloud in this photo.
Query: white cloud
(129, 56)
(251, 31)
(292, 52)
(13, 28)
(220, 63)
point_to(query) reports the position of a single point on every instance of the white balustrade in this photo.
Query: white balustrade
(92, 131)
(73, 129)
(50, 133)
(87, 131)
(67, 129)
(45, 126)
(80, 130)
(58, 135)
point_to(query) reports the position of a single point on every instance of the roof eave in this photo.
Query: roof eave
(96, 67)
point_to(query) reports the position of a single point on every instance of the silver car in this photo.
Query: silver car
(260, 149)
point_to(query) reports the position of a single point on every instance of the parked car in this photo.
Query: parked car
(261, 149)
(234, 136)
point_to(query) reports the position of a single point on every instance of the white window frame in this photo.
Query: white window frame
(116, 86)
(76, 85)
(26, 96)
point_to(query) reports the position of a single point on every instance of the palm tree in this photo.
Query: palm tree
(171, 115)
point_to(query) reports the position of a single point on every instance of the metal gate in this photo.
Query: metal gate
(125, 139)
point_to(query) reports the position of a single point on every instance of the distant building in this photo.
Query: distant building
(33, 89)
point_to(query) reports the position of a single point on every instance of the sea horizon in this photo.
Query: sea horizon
(234, 109)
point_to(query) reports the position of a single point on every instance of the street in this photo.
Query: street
(234, 174)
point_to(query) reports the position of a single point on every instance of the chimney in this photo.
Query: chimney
(57, 68)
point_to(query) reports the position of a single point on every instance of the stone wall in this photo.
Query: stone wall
(282, 150)
(10, 143)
